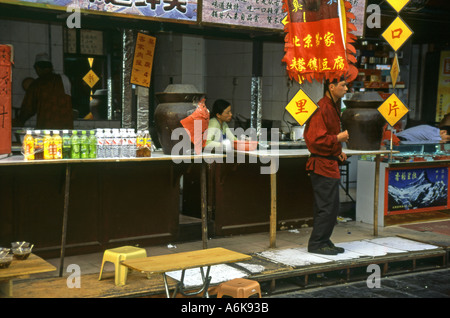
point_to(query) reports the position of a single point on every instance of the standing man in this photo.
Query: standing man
(323, 138)
(48, 96)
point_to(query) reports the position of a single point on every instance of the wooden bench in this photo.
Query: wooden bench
(182, 261)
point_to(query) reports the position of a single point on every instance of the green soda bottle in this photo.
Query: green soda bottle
(92, 145)
(75, 149)
(66, 144)
(84, 145)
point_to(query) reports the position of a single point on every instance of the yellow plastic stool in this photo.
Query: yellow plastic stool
(116, 255)
(239, 288)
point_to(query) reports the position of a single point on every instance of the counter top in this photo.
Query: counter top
(156, 156)
(159, 155)
(293, 153)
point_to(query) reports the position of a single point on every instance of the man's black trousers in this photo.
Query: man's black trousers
(326, 209)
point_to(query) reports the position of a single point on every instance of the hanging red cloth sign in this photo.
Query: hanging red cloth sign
(317, 43)
(5, 99)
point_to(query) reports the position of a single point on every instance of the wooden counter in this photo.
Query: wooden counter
(113, 202)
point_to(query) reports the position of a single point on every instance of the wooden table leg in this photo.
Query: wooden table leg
(6, 288)
(204, 206)
(273, 203)
(65, 216)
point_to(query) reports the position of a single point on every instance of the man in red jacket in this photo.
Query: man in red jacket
(323, 138)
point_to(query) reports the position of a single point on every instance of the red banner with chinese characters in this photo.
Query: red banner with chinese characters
(317, 43)
(5, 99)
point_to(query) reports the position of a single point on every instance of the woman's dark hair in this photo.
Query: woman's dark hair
(218, 107)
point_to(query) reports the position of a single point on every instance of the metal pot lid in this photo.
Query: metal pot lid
(181, 89)
(366, 97)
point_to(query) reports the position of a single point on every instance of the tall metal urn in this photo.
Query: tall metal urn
(363, 121)
(175, 103)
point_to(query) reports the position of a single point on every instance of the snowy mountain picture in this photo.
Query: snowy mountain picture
(417, 188)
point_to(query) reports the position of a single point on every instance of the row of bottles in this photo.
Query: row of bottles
(123, 143)
(102, 143)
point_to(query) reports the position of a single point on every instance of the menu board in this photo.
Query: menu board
(247, 13)
(91, 42)
(167, 9)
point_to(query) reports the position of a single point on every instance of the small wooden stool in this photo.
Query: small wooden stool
(239, 288)
(117, 255)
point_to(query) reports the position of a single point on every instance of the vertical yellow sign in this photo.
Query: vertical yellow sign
(443, 98)
(143, 60)
(395, 70)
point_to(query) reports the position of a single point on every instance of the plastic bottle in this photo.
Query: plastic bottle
(66, 144)
(140, 144)
(116, 143)
(148, 144)
(92, 145)
(84, 145)
(124, 153)
(75, 149)
(132, 143)
(28, 146)
(100, 143)
(57, 145)
(38, 145)
(48, 145)
(108, 143)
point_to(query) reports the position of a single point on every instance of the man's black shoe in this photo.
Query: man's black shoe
(338, 249)
(326, 250)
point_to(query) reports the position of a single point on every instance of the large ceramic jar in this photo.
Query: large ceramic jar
(175, 103)
(363, 121)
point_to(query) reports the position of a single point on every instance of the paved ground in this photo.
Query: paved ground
(427, 284)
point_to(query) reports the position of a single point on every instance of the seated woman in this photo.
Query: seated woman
(219, 134)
